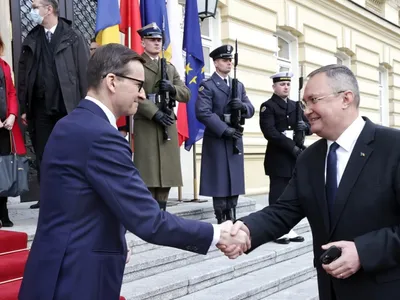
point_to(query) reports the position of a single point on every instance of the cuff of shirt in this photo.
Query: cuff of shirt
(217, 235)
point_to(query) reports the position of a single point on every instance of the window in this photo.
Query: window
(287, 59)
(384, 96)
(343, 59)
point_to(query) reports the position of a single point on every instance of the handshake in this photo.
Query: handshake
(234, 239)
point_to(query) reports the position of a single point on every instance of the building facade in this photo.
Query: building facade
(279, 35)
(300, 36)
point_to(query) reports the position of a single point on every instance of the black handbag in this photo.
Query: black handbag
(14, 170)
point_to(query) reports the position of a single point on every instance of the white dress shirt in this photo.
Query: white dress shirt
(223, 78)
(52, 29)
(113, 122)
(346, 142)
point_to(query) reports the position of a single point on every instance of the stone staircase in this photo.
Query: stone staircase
(271, 272)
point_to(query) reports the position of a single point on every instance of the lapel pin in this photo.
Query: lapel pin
(362, 154)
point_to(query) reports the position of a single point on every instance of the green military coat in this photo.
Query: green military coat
(158, 161)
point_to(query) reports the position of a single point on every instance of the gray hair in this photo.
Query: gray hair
(341, 78)
(54, 4)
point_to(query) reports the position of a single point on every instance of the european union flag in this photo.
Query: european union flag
(194, 69)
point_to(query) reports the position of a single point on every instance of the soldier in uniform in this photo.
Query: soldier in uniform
(278, 120)
(158, 160)
(222, 171)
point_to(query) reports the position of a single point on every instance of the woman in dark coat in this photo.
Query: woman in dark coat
(8, 126)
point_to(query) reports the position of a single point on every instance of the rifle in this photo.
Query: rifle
(299, 135)
(237, 119)
(166, 103)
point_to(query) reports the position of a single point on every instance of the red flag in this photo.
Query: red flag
(182, 126)
(130, 18)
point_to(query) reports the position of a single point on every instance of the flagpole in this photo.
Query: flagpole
(195, 190)
(131, 121)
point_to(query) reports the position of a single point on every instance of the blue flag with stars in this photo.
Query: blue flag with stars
(194, 70)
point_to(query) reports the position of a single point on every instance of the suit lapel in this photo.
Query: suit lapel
(150, 64)
(318, 181)
(220, 84)
(361, 153)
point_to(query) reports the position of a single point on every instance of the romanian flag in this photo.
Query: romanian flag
(190, 130)
(107, 29)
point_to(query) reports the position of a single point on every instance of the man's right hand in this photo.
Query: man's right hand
(163, 119)
(232, 133)
(234, 250)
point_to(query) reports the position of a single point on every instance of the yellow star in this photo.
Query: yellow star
(202, 69)
(193, 80)
(188, 68)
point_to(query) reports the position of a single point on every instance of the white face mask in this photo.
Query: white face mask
(36, 17)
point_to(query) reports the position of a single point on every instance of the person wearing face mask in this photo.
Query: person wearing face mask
(277, 122)
(51, 74)
(158, 160)
(222, 171)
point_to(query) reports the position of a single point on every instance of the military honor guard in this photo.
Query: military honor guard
(278, 123)
(157, 159)
(222, 171)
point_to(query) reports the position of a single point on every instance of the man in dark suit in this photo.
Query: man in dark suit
(222, 170)
(278, 122)
(348, 186)
(91, 193)
(51, 73)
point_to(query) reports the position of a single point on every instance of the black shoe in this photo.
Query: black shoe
(297, 239)
(283, 241)
(163, 205)
(35, 206)
(7, 223)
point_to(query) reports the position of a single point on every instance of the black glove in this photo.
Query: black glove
(167, 86)
(301, 126)
(163, 119)
(237, 104)
(232, 133)
(296, 151)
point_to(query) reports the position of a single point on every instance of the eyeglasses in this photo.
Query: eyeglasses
(304, 104)
(141, 82)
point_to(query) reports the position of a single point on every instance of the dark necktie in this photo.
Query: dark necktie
(226, 81)
(331, 177)
(48, 36)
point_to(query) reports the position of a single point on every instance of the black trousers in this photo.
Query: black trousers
(221, 204)
(276, 187)
(40, 128)
(5, 145)
(5, 149)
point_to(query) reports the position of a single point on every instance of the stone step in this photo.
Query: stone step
(25, 219)
(261, 283)
(177, 279)
(161, 259)
(138, 245)
(306, 290)
(190, 210)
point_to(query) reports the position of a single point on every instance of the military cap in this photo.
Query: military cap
(282, 76)
(150, 31)
(224, 51)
